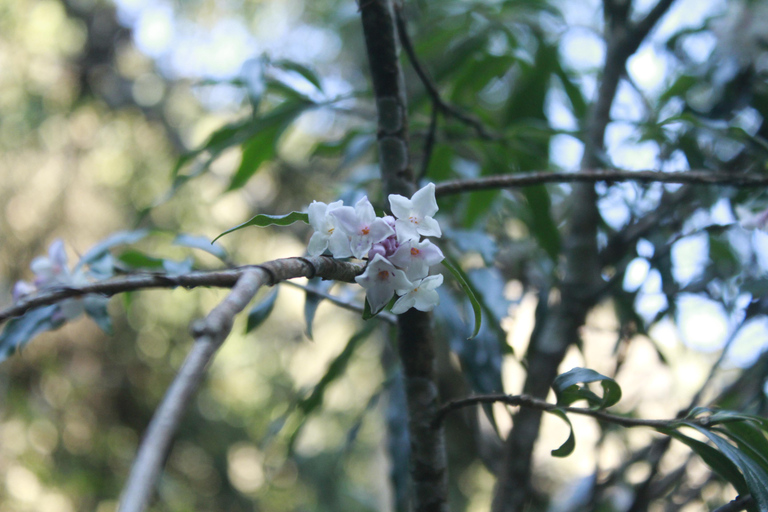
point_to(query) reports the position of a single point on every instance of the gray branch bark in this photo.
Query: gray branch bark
(415, 340)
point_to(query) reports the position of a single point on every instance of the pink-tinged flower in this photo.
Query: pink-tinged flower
(53, 271)
(380, 281)
(327, 234)
(414, 215)
(416, 257)
(362, 226)
(421, 295)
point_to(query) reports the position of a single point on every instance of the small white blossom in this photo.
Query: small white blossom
(416, 258)
(421, 295)
(380, 281)
(53, 271)
(327, 235)
(750, 221)
(414, 215)
(362, 226)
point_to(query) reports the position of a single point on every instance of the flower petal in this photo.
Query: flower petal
(424, 201)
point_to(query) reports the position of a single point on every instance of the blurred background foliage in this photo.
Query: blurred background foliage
(190, 117)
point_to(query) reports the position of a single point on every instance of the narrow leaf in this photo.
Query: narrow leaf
(567, 388)
(261, 311)
(335, 370)
(719, 463)
(568, 446)
(119, 238)
(95, 307)
(463, 281)
(263, 220)
(754, 475)
(309, 75)
(19, 331)
(313, 300)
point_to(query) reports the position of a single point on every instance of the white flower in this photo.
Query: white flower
(53, 271)
(414, 215)
(421, 295)
(326, 235)
(362, 226)
(416, 257)
(750, 221)
(380, 281)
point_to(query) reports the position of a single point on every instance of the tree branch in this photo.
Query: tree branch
(321, 266)
(209, 334)
(428, 464)
(527, 179)
(542, 405)
(429, 85)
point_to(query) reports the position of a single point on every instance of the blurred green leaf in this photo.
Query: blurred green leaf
(313, 300)
(113, 240)
(19, 331)
(570, 444)
(261, 311)
(308, 74)
(335, 370)
(567, 389)
(461, 278)
(96, 309)
(716, 460)
(540, 223)
(754, 475)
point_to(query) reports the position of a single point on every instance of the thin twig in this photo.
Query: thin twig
(333, 299)
(526, 179)
(429, 144)
(429, 85)
(542, 405)
(327, 268)
(209, 334)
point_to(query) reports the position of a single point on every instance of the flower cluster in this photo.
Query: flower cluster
(53, 271)
(398, 257)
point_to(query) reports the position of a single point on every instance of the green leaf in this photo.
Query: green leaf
(540, 222)
(308, 74)
(261, 311)
(19, 331)
(749, 438)
(313, 300)
(335, 370)
(754, 475)
(264, 220)
(115, 239)
(138, 259)
(96, 308)
(719, 463)
(568, 446)
(567, 388)
(257, 150)
(463, 281)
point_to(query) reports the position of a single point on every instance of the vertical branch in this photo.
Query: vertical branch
(581, 282)
(415, 341)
